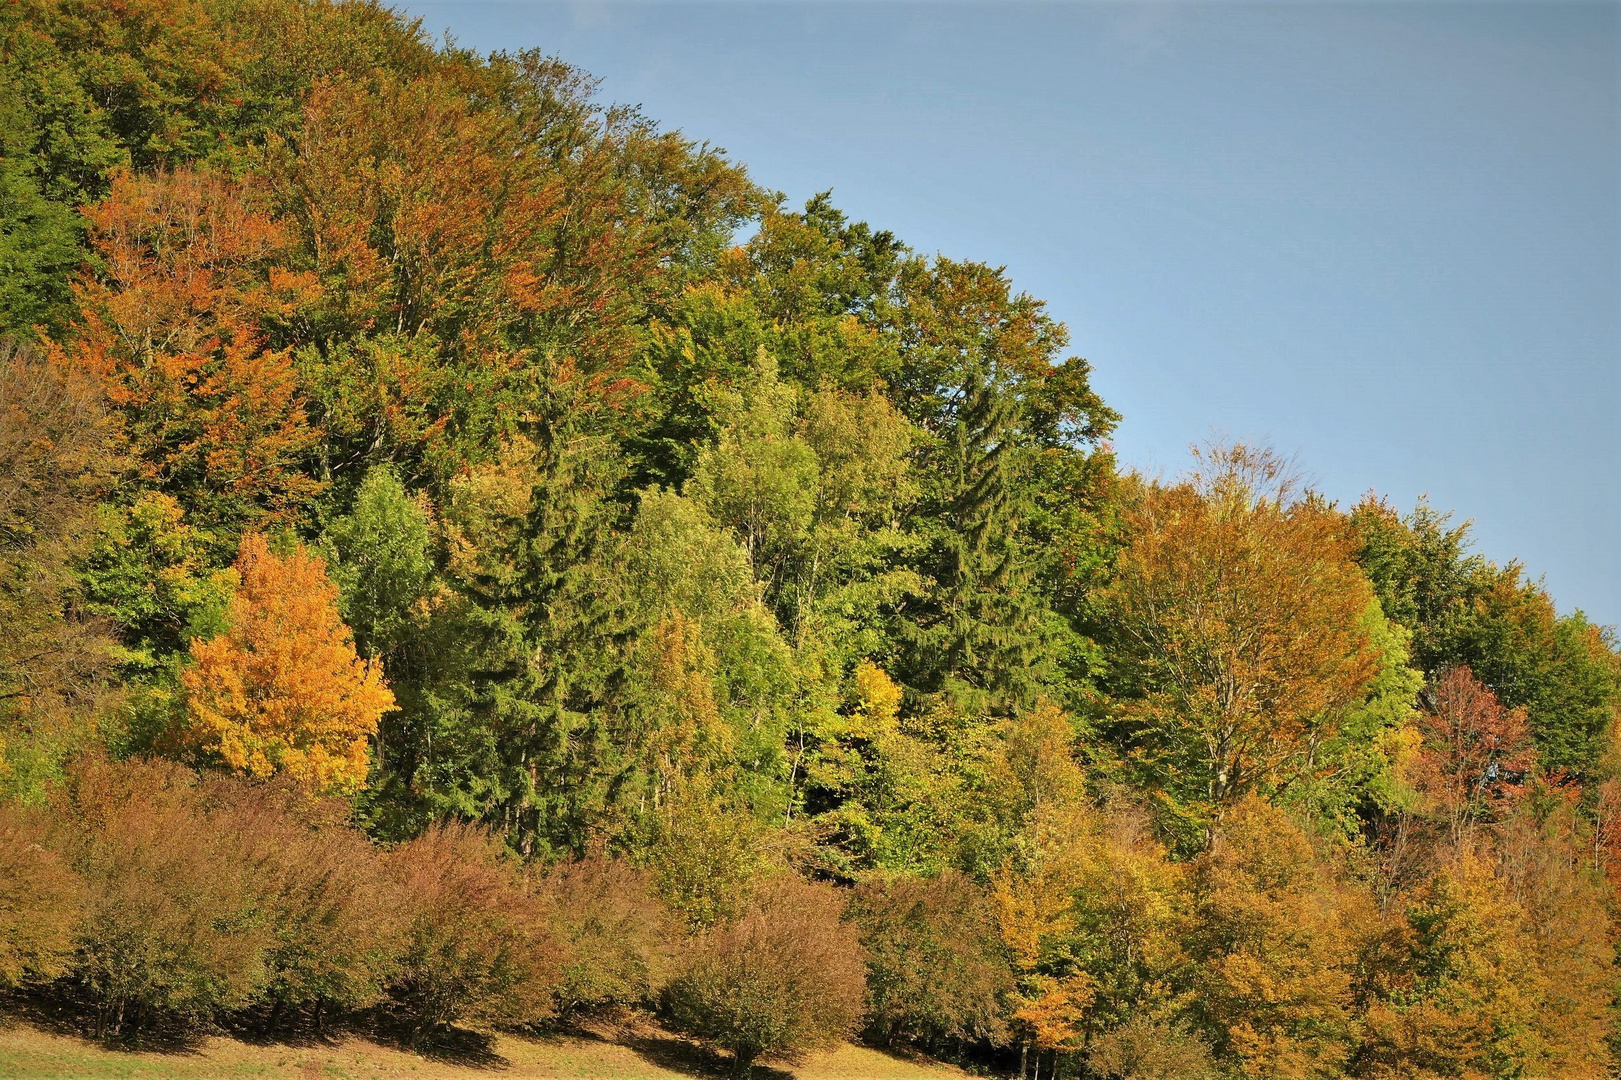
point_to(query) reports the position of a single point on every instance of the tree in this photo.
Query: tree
(1451, 986)
(1275, 939)
(1462, 609)
(785, 978)
(282, 690)
(384, 566)
(1475, 755)
(193, 274)
(171, 925)
(1237, 616)
(41, 903)
(57, 452)
(617, 937)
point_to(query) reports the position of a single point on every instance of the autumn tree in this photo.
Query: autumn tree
(1464, 610)
(1236, 614)
(40, 903)
(1275, 937)
(476, 947)
(56, 451)
(282, 690)
(936, 972)
(1475, 755)
(193, 269)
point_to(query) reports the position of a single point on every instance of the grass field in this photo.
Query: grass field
(639, 1052)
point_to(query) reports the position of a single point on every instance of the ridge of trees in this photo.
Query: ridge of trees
(470, 556)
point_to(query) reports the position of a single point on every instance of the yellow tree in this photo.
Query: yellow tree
(1239, 619)
(283, 690)
(1272, 933)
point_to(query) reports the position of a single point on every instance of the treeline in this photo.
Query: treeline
(445, 571)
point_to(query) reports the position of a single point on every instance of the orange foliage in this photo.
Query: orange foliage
(283, 690)
(1476, 752)
(1240, 613)
(1053, 1008)
(191, 269)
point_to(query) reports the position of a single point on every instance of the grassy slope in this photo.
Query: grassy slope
(32, 1053)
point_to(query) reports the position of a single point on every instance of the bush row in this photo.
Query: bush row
(154, 896)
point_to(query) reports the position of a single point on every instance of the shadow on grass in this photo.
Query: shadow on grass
(65, 1015)
(673, 1052)
(448, 1045)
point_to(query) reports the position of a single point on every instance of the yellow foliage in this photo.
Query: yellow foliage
(1053, 1009)
(879, 699)
(283, 691)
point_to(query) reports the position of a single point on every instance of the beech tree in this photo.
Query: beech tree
(282, 690)
(1237, 620)
(1475, 755)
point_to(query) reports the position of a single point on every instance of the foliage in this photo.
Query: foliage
(1475, 753)
(335, 917)
(784, 978)
(935, 969)
(475, 950)
(171, 923)
(56, 451)
(536, 536)
(1237, 616)
(282, 689)
(1275, 937)
(40, 903)
(616, 935)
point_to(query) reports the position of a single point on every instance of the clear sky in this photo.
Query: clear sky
(1385, 238)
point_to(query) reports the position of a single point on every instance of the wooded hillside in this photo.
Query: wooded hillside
(471, 554)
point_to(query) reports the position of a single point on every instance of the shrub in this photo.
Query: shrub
(614, 931)
(40, 903)
(786, 977)
(1144, 1049)
(336, 928)
(475, 949)
(936, 971)
(172, 916)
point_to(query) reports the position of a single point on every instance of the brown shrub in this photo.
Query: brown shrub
(786, 977)
(41, 902)
(172, 922)
(615, 933)
(936, 971)
(476, 949)
(336, 924)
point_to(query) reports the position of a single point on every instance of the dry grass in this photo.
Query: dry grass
(639, 1052)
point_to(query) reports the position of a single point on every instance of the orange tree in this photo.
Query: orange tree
(283, 691)
(1237, 618)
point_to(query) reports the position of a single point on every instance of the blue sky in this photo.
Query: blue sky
(1385, 238)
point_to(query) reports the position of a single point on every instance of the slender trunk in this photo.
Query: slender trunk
(1024, 1063)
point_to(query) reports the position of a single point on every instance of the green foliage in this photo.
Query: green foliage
(1463, 609)
(384, 567)
(39, 247)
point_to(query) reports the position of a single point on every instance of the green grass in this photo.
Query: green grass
(637, 1052)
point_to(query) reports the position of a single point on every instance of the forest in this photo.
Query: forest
(473, 557)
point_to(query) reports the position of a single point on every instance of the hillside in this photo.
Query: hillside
(471, 555)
